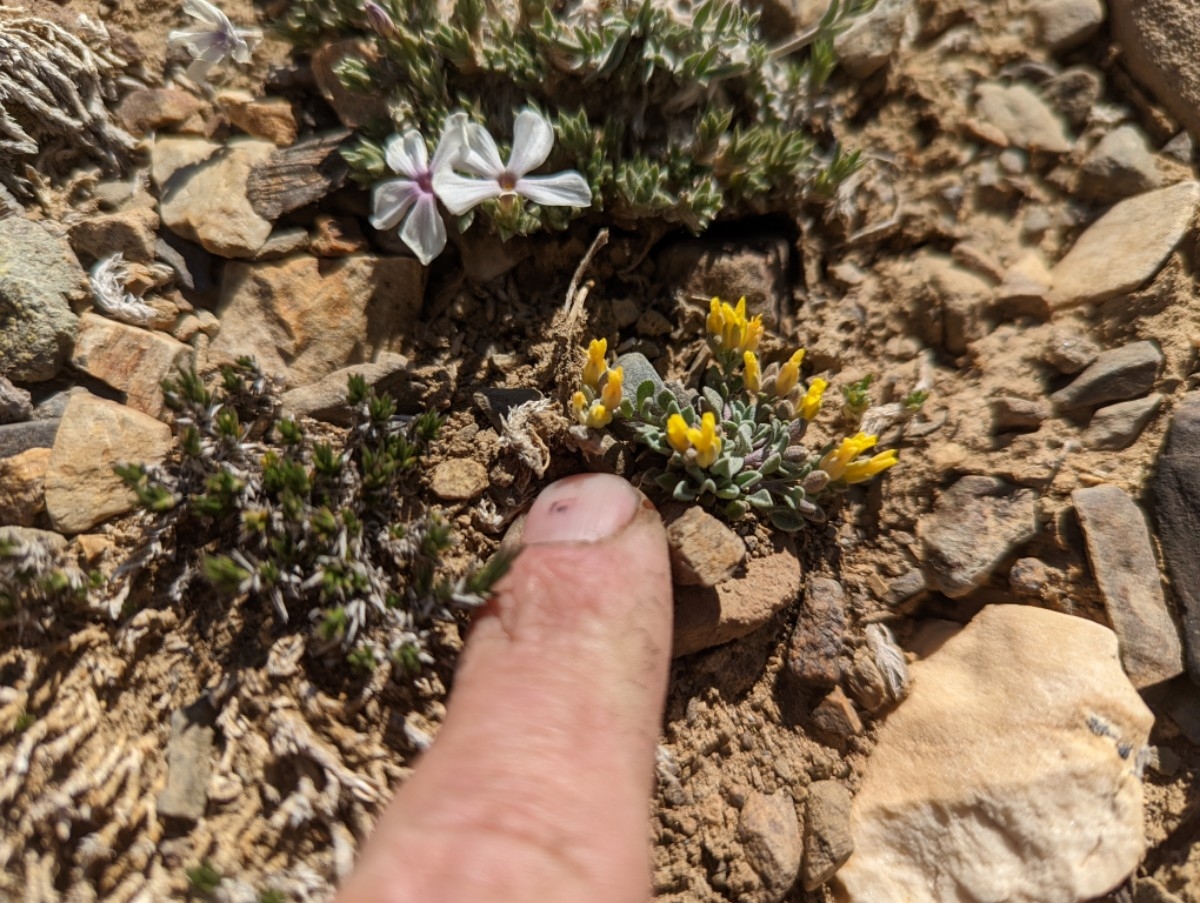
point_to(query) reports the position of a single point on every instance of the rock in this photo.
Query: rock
(149, 109)
(1121, 165)
(354, 108)
(947, 301)
(652, 323)
(191, 264)
(303, 318)
(1126, 247)
(458, 479)
(299, 175)
(1028, 577)
(731, 270)
(872, 38)
(19, 437)
(827, 840)
(269, 118)
(207, 203)
(130, 359)
(816, 646)
(326, 399)
(283, 242)
(637, 369)
(1117, 374)
(1069, 352)
(1021, 728)
(1176, 508)
(1122, 557)
(1118, 426)
(1024, 287)
(1158, 41)
(706, 617)
(977, 523)
(170, 155)
(1023, 118)
(1181, 148)
(908, 585)
(1009, 413)
(39, 278)
(336, 236)
(81, 488)
(770, 835)
(23, 487)
(189, 763)
(835, 717)
(1073, 92)
(496, 404)
(130, 232)
(1065, 24)
(703, 550)
(45, 543)
(16, 404)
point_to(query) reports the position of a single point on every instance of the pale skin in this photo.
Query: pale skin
(536, 788)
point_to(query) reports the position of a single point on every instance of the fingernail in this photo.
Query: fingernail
(581, 508)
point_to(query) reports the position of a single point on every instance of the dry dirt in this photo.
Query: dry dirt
(305, 757)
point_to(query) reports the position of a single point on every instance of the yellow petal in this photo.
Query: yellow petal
(753, 372)
(611, 394)
(595, 366)
(810, 407)
(598, 416)
(677, 433)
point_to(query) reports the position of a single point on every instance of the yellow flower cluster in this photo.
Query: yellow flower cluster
(730, 330)
(840, 462)
(789, 374)
(598, 380)
(703, 439)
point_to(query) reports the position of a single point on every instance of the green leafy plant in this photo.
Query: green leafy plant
(335, 535)
(736, 444)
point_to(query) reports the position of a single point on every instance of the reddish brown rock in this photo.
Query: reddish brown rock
(703, 550)
(336, 236)
(130, 359)
(150, 109)
(23, 487)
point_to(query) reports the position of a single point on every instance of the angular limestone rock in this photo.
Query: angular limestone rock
(1012, 772)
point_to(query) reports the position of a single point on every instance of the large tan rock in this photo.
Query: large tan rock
(130, 359)
(1126, 247)
(208, 204)
(1012, 772)
(303, 318)
(95, 434)
(1158, 41)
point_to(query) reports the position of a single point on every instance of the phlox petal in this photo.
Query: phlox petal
(452, 143)
(563, 189)
(391, 200)
(481, 157)
(407, 155)
(424, 231)
(460, 194)
(532, 140)
(205, 12)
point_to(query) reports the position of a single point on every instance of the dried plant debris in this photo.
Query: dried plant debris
(53, 85)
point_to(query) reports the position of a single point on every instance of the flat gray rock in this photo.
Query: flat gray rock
(1125, 248)
(977, 523)
(1023, 117)
(16, 404)
(39, 278)
(827, 839)
(189, 763)
(20, 437)
(1116, 375)
(1176, 494)
(1118, 425)
(1121, 165)
(1122, 558)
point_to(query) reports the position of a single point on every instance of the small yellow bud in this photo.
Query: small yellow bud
(610, 395)
(753, 372)
(716, 321)
(598, 416)
(864, 470)
(754, 334)
(789, 374)
(705, 440)
(579, 405)
(677, 433)
(810, 406)
(835, 462)
(595, 366)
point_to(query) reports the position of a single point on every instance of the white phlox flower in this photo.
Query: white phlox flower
(533, 139)
(214, 39)
(412, 199)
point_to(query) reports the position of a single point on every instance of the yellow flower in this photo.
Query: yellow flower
(595, 366)
(834, 462)
(579, 405)
(864, 470)
(705, 440)
(677, 433)
(810, 406)
(753, 372)
(610, 395)
(598, 416)
(789, 374)
(729, 328)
